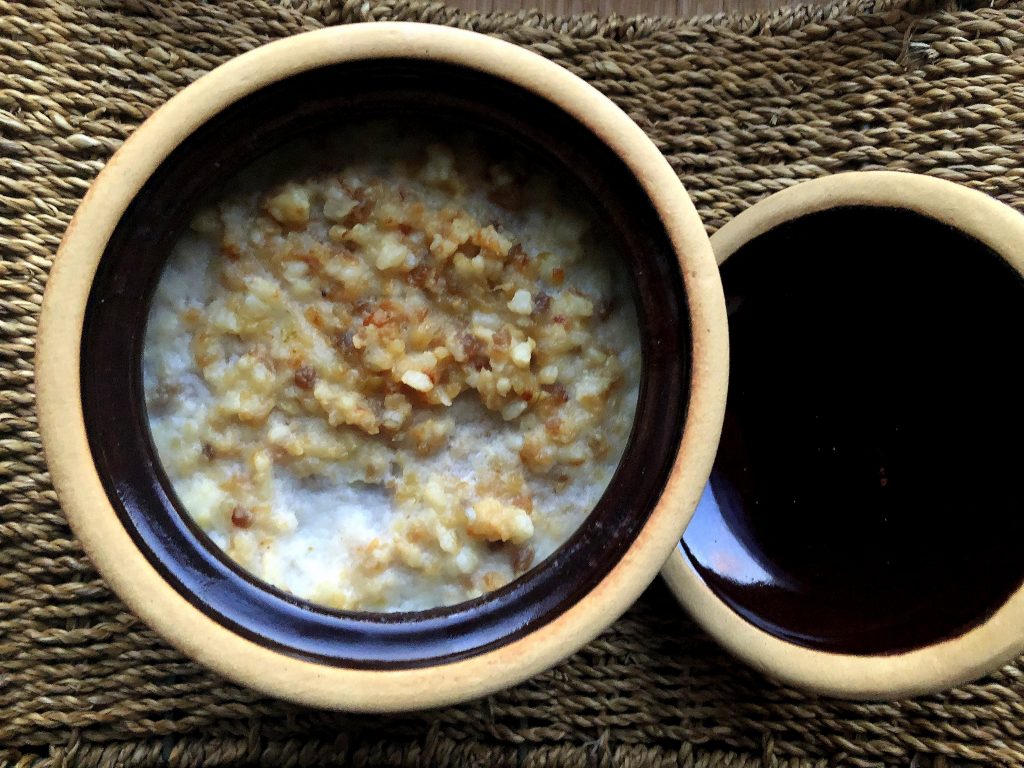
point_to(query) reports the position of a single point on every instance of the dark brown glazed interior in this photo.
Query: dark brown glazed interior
(866, 495)
(114, 332)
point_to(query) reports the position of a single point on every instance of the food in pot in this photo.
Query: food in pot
(395, 377)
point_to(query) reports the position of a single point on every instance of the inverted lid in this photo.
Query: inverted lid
(864, 501)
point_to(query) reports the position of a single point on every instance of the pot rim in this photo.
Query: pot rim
(134, 578)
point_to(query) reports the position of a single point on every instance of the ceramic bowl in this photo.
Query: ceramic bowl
(860, 533)
(89, 372)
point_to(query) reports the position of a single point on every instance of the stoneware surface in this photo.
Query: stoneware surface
(101, 509)
(994, 636)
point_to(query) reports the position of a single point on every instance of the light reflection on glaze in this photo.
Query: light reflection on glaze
(713, 545)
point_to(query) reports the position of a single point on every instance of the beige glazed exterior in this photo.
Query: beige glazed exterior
(129, 572)
(873, 677)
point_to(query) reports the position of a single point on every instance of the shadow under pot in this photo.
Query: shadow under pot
(860, 532)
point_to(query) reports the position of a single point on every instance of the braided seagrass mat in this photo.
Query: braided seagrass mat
(742, 107)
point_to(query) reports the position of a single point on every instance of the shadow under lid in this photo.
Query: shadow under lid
(866, 495)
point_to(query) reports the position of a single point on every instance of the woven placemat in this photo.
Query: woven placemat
(742, 107)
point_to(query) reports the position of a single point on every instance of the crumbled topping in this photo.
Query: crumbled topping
(352, 316)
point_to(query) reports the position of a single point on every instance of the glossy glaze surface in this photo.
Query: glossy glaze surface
(111, 367)
(865, 498)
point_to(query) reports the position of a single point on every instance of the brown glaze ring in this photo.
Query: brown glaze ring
(113, 336)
